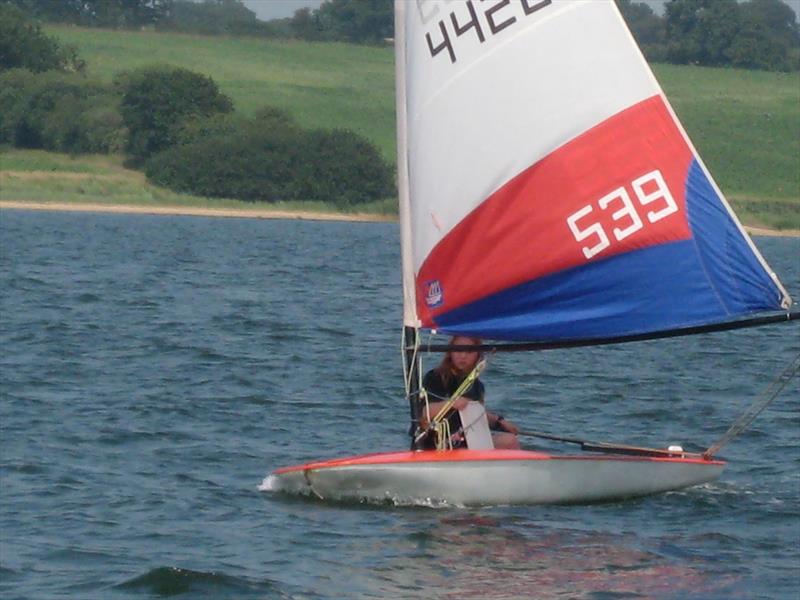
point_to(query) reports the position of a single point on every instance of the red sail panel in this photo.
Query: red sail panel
(616, 188)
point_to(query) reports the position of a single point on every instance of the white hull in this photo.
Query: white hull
(492, 477)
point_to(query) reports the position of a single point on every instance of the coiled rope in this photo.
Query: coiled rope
(443, 439)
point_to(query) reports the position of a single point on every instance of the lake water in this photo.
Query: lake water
(155, 369)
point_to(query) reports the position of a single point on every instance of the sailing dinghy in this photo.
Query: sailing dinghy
(549, 197)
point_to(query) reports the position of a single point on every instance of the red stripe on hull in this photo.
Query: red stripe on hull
(521, 232)
(428, 456)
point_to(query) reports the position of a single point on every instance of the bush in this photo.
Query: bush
(14, 89)
(103, 129)
(267, 120)
(340, 166)
(270, 159)
(60, 112)
(249, 167)
(158, 101)
(24, 46)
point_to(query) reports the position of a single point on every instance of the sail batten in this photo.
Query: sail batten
(550, 191)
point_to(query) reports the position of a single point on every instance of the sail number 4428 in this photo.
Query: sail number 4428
(650, 190)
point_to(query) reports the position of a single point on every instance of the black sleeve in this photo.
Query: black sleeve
(432, 382)
(476, 391)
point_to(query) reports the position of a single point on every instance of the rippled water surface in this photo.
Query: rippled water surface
(155, 369)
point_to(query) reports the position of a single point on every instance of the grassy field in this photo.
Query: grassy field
(745, 124)
(322, 85)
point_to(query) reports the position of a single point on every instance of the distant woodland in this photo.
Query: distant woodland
(754, 34)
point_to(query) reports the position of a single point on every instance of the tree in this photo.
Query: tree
(24, 45)
(305, 25)
(777, 18)
(62, 112)
(229, 17)
(701, 31)
(63, 11)
(754, 48)
(98, 13)
(158, 100)
(359, 21)
(647, 27)
(759, 34)
(354, 21)
(769, 38)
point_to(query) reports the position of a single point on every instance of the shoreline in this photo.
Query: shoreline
(196, 211)
(258, 213)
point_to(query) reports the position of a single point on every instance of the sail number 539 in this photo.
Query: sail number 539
(650, 190)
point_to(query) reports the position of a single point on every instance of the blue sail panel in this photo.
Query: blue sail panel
(713, 277)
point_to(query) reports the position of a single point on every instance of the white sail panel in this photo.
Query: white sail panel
(480, 112)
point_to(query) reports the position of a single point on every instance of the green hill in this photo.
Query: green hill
(745, 124)
(322, 85)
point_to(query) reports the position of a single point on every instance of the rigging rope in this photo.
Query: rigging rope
(443, 439)
(406, 370)
(770, 393)
(412, 368)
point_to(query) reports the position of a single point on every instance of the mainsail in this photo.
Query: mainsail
(548, 191)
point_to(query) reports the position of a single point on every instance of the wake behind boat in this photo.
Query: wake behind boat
(549, 197)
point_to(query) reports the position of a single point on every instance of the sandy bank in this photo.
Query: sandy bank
(244, 213)
(773, 232)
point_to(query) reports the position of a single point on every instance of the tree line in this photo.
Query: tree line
(751, 34)
(177, 126)
(211, 17)
(755, 34)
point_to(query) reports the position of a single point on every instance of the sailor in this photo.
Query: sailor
(443, 381)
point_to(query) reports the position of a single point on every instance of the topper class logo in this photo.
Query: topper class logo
(433, 293)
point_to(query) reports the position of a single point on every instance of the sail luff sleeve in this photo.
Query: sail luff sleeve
(410, 318)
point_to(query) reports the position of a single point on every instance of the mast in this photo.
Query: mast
(411, 360)
(412, 378)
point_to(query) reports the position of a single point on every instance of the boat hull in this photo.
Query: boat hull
(491, 477)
